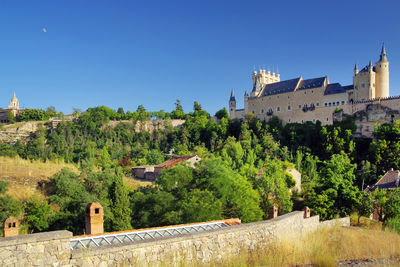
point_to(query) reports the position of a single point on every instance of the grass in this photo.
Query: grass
(23, 175)
(325, 247)
(134, 184)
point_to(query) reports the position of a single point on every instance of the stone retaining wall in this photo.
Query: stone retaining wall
(53, 248)
(42, 249)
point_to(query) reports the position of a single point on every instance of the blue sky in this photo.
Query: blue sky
(126, 53)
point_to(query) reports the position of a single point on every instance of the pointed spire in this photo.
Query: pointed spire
(355, 69)
(232, 96)
(383, 56)
(245, 93)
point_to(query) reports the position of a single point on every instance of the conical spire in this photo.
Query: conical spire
(245, 93)
(355, 67)
(14, 96)
(232, 96)
(383, 56)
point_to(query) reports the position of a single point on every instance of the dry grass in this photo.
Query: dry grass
(133, 184)
(323, 248)
(23, 175)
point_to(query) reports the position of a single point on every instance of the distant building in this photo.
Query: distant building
(300, 100)
(152, 172)
(13, 107)
(389, 181)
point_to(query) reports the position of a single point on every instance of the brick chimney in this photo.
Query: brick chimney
(10, 227)
(306, 212)
(94, 219)
(272, 212)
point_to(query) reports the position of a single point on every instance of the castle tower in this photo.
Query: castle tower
(355, 69)
(232, 106)
(10, 227)
(94, 219)
(364, 83)
(246, 103)
(382, 75)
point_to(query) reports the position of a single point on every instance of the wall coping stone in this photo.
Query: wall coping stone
(166, 240)
(37, 237)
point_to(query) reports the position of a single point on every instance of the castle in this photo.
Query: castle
(300, 100)
(13, 107)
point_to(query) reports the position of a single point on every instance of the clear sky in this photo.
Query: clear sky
(81, 53)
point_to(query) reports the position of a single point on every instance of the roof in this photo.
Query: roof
(388, 181)
(172, 162)
(292, 85)
(280, 87)
(311, 83)
(334, 88)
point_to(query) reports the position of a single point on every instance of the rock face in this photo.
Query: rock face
(150, 126)
(9, 134)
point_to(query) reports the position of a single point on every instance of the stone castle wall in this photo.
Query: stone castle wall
(53, 248)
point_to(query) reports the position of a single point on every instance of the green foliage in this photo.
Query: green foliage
(10, 116)
(393, 223)
(8, 205)
(178, 113)
(34, 115)
(364, 206)
(222, 113)
(37, 214)
(120, 205)
(336, 186)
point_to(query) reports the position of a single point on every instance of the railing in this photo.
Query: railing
(139, 235)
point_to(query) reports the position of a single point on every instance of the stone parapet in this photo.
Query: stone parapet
(41, 249)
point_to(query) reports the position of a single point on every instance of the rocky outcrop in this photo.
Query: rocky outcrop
(9, 134)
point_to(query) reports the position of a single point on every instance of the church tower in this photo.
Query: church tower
(232, 106)
(14, 105)
(382, 75)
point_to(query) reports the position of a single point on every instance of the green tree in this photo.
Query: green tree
(178, 113)
(364, 206)
(120, 205)
(222, 113)
(10, 116)
(200, 206)
(37, 214)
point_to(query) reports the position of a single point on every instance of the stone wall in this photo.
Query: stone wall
(53, 249)
(42, 249)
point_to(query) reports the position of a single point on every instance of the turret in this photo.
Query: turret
(382, 75)
(355, 69)
(232, 105)
(246, 103)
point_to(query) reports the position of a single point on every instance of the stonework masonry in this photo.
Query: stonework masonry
(53, 248)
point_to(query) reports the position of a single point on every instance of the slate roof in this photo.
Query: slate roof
(388, 181)
(334, 88)
(365, 69)
(280, 87)
(311, 83)
(292, 85)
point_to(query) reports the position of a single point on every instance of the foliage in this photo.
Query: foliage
(37, 214)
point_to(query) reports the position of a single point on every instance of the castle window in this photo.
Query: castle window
(302, 121)
(333, 103)
(231, 109)
(288, 96)
(330, 104)
(337, 103)
(277, 96)
(278, 109)
(363, 85)
(289, 120)
(317, 104)
(305, 92)
(327, 119)
(312, 91)
(253, 112)
(326, 104)
(342, 102)
(288, 107)
(299, 106)
(262, 111)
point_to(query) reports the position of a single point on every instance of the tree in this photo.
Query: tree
(37, 214)
(51, 109)
(10, 116)
(120, 205)
(200, 206)
(222, 113)
(364, 206)
(336, 182)
(8, 205)
(178, 113)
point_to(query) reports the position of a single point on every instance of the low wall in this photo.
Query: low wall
(53, 248)
(42, 249)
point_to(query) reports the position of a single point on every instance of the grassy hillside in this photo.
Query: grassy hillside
(24, 176)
